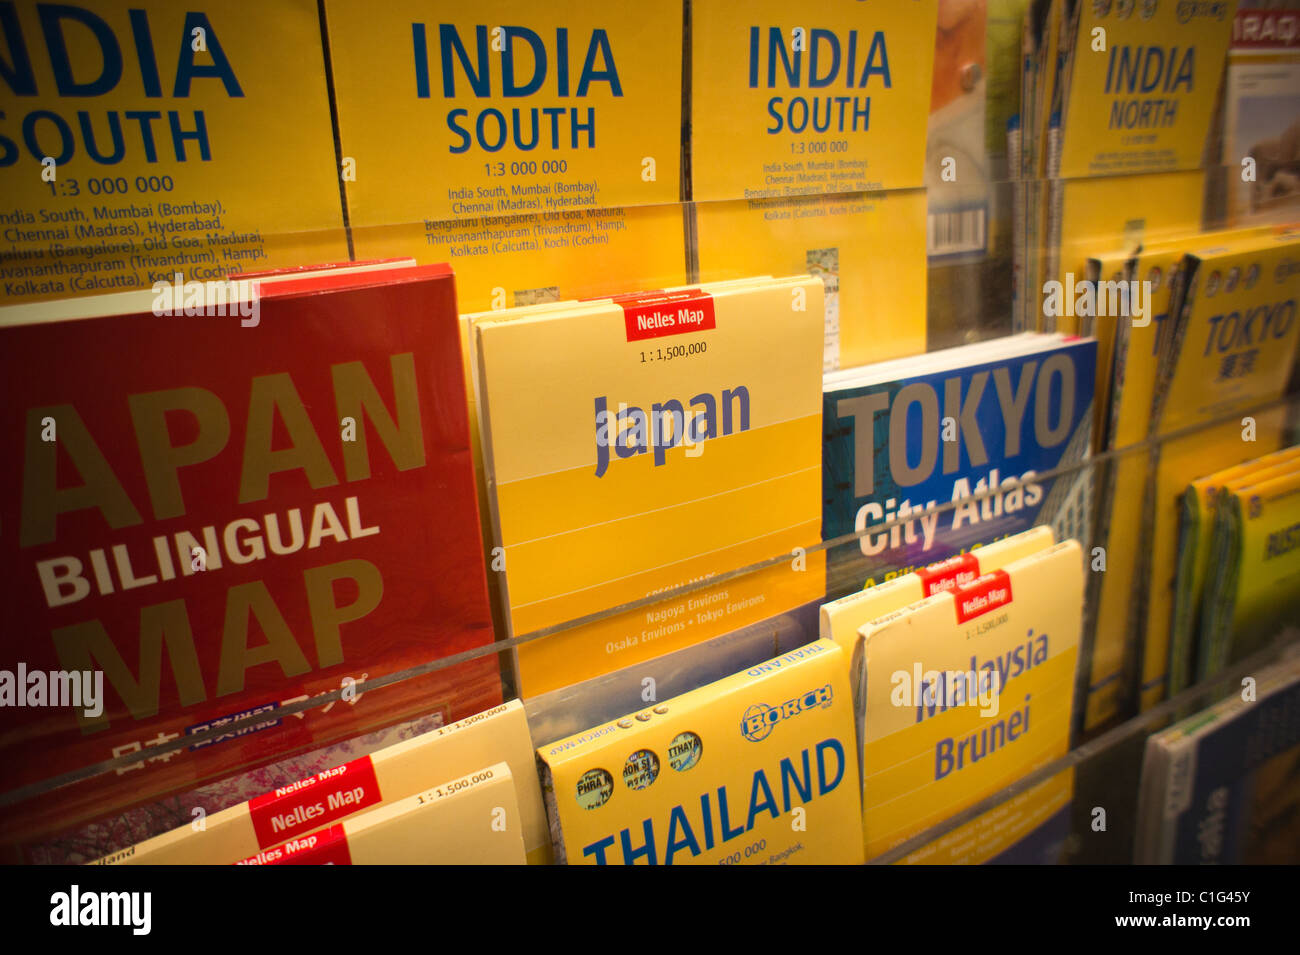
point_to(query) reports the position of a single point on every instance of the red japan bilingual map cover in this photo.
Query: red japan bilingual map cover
(225, 517)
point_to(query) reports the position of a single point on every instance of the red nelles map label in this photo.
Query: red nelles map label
(314, 801)
(989, 592)
(326, 847)
(657, 314)
(956, 571)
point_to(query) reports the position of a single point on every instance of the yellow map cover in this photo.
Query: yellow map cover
(467, 320)
(1141, 91)
(469, 820)
(1110, 267)
(533, 141)
(967, 691)
(841, 619)
(1118, 211)
(1180, 461)
(490, 560)
(1112, 621)
(758, 768)
(155, 119)
(452, 111)
(827, 97)
(1026, 829)
(1196, 533)
(1115, 621)
(1233, 347)
(867, 248)
(1235, 501)
(385, 776)
(515, 260)
(1259, 591)
(1155, 258)
(603, 492)
(1196, 537)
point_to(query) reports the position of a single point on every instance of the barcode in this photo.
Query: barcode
(960, 231)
